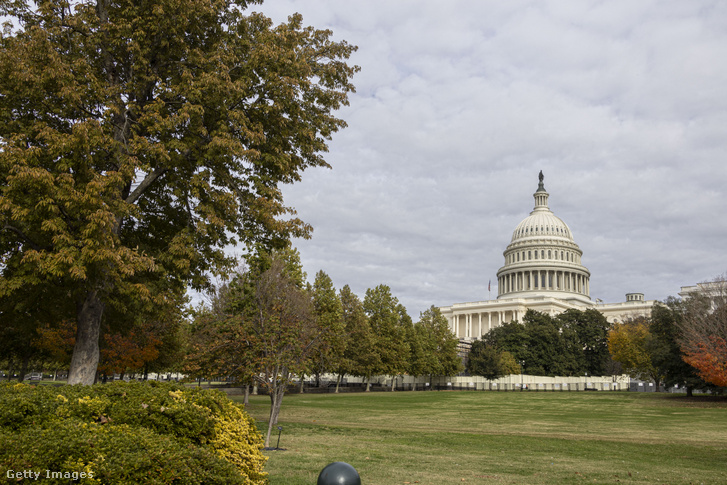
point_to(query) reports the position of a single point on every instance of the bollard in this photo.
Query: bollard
(339, 473)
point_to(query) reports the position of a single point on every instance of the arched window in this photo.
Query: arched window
(529, 255)
(549, 255)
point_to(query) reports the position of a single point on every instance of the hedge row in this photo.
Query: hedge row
(128, 433)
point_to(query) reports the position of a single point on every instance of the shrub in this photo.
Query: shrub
(130, 433)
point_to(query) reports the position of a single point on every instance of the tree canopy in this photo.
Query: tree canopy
(139, 139)
(628, 344)
(703, 331)
(571, 343)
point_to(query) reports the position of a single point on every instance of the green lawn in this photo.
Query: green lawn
(501, 437)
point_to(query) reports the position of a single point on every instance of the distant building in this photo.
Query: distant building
(716, 291)
(542, 272)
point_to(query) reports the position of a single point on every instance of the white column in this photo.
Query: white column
(489, 321)
(479, 325)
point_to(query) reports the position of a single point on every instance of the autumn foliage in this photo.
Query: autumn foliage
(711, 360)
(704, 331)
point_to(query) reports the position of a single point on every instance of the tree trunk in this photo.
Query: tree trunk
(690, 390)
(276, 399)
(393, 383)
(84, 361)
(23, 369)
(246, 399)
(338, 381)
(300, 384)
(368, 383)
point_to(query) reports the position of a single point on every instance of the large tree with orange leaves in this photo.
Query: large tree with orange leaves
(704, 331)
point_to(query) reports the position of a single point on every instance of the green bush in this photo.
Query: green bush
(129, 433)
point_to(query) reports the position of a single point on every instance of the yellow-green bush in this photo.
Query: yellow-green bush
(129, 433)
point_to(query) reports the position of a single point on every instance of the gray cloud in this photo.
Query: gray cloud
(460, 104)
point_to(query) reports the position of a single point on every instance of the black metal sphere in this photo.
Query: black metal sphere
(339, 473)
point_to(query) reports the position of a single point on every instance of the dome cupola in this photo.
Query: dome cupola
(542, 258)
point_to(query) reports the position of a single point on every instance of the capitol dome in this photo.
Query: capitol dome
(542, 258)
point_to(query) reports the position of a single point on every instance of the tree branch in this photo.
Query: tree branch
(148, 180)
(24, 237)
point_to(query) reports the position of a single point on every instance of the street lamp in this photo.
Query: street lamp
(522, 365)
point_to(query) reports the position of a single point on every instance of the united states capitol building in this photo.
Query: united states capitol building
(542, 272)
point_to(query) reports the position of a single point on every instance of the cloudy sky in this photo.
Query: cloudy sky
(459, 104)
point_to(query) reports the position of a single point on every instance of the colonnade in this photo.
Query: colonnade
(553, 280)
(474, 325)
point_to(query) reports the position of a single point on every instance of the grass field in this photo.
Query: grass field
(501, 437)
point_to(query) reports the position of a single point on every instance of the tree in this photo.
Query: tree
(627, 343)
(590, 339)
(663, 345)
(261, 326)
(388, 320)
(547, 352)
(328, 313)
(571, 343)
(511, 337)
(360, 357)
(703, 336)
(274, 316)
(139, 139)
(22, 321)
(489, 362)
(436, 349)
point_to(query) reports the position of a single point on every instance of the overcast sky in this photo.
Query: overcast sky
(459, 104)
